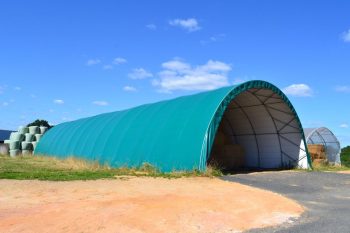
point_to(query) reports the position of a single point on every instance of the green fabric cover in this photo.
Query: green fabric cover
(173, 134)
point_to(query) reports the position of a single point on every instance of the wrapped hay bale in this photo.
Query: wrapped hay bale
(7, 141)
(14, 153)
(29, 137)
(23, 130)
(317, 151)
(16, 136)
(27, 146)
(27, 152)
(15, 145)
(43, 129)
(227, 157)
(38, 137)
(34, 129)
(34, 145)
(221, 139)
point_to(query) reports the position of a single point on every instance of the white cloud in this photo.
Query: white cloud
(92, 62)
(342, 88)
(301, 90)
(140, 73)
(100, 103)
(344, 126)
(129, 88)
(190, 24)
(5, 104)
(107, 67)
(239, 81)
(58, 101)
(212, 39)
(151, 26)
(178, 75)
(17, 88)
(346, 36)
(119, 61)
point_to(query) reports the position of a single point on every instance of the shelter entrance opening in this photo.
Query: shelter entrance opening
(258, 130)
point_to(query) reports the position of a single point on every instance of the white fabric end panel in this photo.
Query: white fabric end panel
(303, 163)
(239, 121)
(291, 148)
(261, 120)
(250, 150)
(246, 99)
(270, 153)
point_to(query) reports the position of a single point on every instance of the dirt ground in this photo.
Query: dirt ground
(345, 172)
(140, 205)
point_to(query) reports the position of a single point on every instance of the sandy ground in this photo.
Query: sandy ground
(139, 205)
(345, 172)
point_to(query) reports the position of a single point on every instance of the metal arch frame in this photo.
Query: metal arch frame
(278, 131)
(267, 107)
(253, 130)
(319, 134)
(272, 118)
(224, 104)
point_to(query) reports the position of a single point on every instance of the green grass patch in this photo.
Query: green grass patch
(345, 163)
(51, 168)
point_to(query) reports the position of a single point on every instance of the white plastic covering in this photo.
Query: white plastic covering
(325, 137)
(261, 122)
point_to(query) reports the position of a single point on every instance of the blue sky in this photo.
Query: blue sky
(63, 60)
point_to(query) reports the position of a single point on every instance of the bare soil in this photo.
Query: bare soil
(345, 172)
(140, 205)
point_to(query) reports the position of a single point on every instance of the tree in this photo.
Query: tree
(345, 156)
(39, 122)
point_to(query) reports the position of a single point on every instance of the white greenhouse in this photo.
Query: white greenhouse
(325, 137)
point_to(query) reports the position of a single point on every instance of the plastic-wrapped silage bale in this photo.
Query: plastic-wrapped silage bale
(27, 152)
(33, 129)
(38, 137)
(27, 146)
(16, 136)
(29, 137)
(34, 145)
(43, 129)
(23, 130)
(14, 153)
(15, 145)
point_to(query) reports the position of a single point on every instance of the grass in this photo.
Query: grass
(330, 168)
(51, 168)
(345, 162)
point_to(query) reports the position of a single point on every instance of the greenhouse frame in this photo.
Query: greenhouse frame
(325, 137)
(179, 134)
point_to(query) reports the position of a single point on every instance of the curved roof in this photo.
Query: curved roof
(325, 136)
(172, 134)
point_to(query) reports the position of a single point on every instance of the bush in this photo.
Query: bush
(345, 156)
